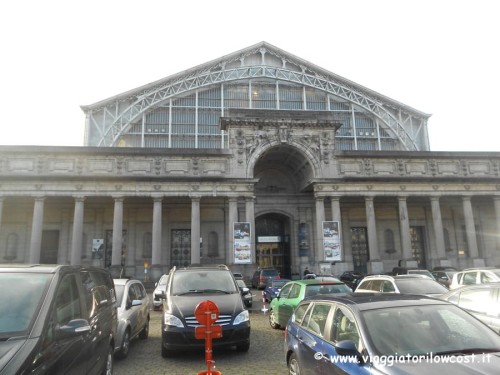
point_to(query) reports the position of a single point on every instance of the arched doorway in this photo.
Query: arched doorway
(273, 242)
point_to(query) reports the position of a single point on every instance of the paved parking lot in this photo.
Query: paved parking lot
(264, 357)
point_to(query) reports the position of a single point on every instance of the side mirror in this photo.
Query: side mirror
(73, 328)
(347, 348)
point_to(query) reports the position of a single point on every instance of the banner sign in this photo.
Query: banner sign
(242, 243)
(331, 241)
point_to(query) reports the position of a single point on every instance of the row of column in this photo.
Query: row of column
(405, 225)
(116, 256)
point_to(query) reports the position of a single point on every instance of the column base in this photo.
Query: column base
(376, 267)
(478, 263)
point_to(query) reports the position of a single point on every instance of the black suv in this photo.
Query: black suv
(262, 276)
(189, 286)
(56, 320)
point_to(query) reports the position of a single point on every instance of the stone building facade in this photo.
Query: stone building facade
(256, 159)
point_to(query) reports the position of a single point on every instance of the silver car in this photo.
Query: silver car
(133, 314)
(159, 292)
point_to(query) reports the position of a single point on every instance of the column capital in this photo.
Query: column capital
(118, 198)
(79, 198)
(195, 198)
(402, 198)
(435, 198)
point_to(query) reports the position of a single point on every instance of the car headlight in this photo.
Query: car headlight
(172, 320)
(243, 316)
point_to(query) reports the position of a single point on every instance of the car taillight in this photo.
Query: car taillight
(262, 278)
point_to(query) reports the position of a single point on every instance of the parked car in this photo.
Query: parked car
(352, 278)
(409, 284)
(189, 286)
(387, 334)
(411, 271)
(56, 319)
(320, 277)
(481, 300)
(159, 292)
(246, 293)
(281, 307)
(133, 314)
(444, 277)
(262, 276)
(273, 288)
(475, 276)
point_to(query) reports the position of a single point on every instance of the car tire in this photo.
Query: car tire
(108, 368)
(123, 351)
(143, 335)
(272, 320)
(243, 347)
(293, 365)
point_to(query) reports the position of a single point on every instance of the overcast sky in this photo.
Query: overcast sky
(441, 57)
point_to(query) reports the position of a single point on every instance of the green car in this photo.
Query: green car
(281, 307)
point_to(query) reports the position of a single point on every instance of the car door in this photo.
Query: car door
(64, 353)
(99, 291)
(287, 304)
(311, 349)
(137, 315)
(343, 326)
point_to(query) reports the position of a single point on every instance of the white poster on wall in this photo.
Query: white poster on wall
(242, 243)
(331, 241)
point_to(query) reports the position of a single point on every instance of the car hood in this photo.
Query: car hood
(183, 306)
(8, 349)
(487, 364)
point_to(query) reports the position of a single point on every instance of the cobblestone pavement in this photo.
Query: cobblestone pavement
(264, 357)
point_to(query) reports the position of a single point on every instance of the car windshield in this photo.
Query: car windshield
(314, 289)
(427, 330)
(163, 280)
(203, 281)
(279, 283)
(421, 272)
(420, 286)
(20, 301)
(270, 273)
(119, 292)
(241, 283)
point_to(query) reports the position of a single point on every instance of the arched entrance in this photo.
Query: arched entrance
(273, 242)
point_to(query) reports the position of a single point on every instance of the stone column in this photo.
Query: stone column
(131, 249)
(496, 201)
(157, 232)
(438, 227)
(76, 239)
(375, 265)
(250, 218)
(116, 252)
(195, 230)
(36, 231)
(371, 229)
(232, 218)
(64, 254)
(319, 254)
(470, 228)
(404, 224)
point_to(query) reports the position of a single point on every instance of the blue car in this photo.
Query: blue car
(273, 288)
(387, 334)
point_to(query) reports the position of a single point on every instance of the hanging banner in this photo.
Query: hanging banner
(242, 243)
(331, 241)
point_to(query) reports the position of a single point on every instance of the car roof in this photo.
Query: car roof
(124, 281)
(317, 282)
(395, 277)
(44, 268)
(490, 285)
(372, 301)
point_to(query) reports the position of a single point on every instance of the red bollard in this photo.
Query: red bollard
(207, 313)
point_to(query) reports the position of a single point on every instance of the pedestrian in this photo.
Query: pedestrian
(307, 272)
